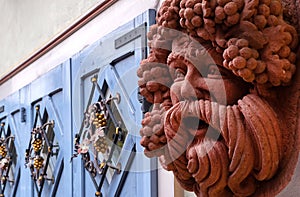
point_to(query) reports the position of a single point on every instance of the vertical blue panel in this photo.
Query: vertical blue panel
(12, 105)
(64, 93)
(52, 92)
(116, 67)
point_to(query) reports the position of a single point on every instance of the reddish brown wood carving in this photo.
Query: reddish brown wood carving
(224, 85)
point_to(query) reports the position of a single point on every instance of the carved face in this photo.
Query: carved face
(206, 80)
(216, 122)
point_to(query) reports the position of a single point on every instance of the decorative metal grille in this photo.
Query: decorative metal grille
(40, 150)
(7, 154)
(99, 120)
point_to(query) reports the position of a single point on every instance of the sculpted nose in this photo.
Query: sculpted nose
(175, 92)
(188, 92)
(195, 89)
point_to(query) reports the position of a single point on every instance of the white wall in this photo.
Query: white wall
(165, 183)
(28, 25)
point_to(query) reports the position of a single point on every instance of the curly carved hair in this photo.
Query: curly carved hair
(254, 40)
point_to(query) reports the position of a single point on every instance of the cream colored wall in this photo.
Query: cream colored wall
(28, 25)
(165, 182)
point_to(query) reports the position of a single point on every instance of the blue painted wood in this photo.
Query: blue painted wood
(53, 93)
(11, 117)
(63, 92)
(120, 78)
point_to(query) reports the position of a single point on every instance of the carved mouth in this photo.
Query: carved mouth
(200, 128)
(195, 126)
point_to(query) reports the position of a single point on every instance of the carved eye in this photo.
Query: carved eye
(179, 74)
(214, 72)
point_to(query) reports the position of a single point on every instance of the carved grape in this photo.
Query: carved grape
(198, 9)
(255, 53)
(251, 63)
(189, 3)
(242, 59)
(168, 14)
(232, 20)
(284, 52)
(272, 20)
(240, 3)
(232, 41)
(264, 10)
(203, 33)
(230, 8)
(246, 74)
(242, 43)
(222, 2)
(292, 57)
(260, 67)
(220, 14)
(188, 13)
(245, 52)
(260, 21)
(232, 51)
(261, 78)
(239, 62)
(197, 21)
(189, 25)
(275, 8)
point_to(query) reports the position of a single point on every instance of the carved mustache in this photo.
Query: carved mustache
(250, 148)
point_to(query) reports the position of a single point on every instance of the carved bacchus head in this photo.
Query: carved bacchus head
(223, 79)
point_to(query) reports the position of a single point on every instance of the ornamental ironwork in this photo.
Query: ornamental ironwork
(40, 150)
(93, 143)
(6, 158)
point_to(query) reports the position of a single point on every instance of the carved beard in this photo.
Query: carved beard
(247, 150)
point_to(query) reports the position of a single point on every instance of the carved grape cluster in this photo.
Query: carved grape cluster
(268, 57)
(153, 136)
(228, 12)
(196, 18)
(278, 55)
(154, 77)
(274, 64)
(168, 14)
(242, 60)
(162, 33)
(267, 14)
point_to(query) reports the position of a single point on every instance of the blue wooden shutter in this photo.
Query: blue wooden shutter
(114, 60)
